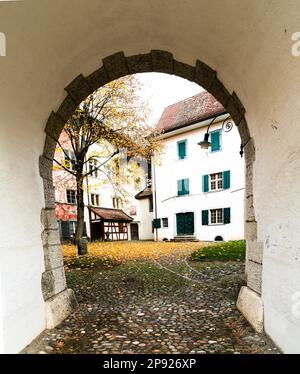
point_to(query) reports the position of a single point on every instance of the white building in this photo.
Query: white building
(198, 193)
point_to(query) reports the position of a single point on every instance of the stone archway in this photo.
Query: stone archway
(59, 300)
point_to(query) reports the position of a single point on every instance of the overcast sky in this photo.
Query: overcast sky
(162, 90)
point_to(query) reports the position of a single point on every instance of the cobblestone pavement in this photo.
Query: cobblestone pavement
(167, 305)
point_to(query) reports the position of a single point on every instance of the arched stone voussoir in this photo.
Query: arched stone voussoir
(78, 89)
(141, 63)
(162, 61)
(45, 168)
(54, 125)
(66, 108)
(184, 71)
(236, 108)
(97, 79)
(116, 66)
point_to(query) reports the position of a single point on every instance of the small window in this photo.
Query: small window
(71, 197)
(165, 222)
(95, 199)
(117, 202)
(216, 216)
(215, 139)
(183, 187)
(93, 165)
(181, 149)
(216, 181)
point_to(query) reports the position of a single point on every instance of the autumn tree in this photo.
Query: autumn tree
(115, 114)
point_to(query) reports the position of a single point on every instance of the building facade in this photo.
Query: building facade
(111, 210)
(198, 194)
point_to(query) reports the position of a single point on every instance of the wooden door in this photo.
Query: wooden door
(134, 231)
(185, 223)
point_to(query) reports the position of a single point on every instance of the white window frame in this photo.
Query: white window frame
(217, 213)
(218, 178)
(95, 199)
(75, 202)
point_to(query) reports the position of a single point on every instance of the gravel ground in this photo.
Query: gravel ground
(165, 305)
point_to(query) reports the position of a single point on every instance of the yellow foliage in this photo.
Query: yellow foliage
(123, 251)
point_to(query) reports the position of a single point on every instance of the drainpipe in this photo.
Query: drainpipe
(155, 200)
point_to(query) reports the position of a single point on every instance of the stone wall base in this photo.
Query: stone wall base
(250, 304)
(59, 307)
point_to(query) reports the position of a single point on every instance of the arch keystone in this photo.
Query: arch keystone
(140, 63)
(162, 61)
(116, 66)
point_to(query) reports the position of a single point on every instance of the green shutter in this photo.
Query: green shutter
(226, 179)
(181, 149)
(226, 215)
(205, 180)
(65, 230)
(215, 141)
(186, 186)
(204, 217)
(183, 187)
(156, 223)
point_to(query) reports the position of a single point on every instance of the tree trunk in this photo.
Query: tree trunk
(81, 245)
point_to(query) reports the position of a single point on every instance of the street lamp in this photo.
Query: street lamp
(227, 126)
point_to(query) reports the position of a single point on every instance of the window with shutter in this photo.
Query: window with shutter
(183, 187)
(215, 139)
(205, 217)
(181, 147)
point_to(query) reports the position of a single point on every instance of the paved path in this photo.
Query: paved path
(165, 305)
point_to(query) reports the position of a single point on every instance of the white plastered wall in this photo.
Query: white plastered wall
(51, 42)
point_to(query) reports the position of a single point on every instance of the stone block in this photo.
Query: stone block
(48, 219)
(140, 63)
(78, 89)
(53, 282)
(255, 251)
(49, 147)
(254, 276)
(204, 75)
(49, 193)
(250, 213)
(45, 168)
(54, 126)
(251, 230)
(116, 66)
(184, 71)
(67, 108)
(53, 256)
(162, 61)
(59, 307)
(97, 79)
(250, 304)
(51, 237)
(217, 89)
(244, 131)
(236, 108)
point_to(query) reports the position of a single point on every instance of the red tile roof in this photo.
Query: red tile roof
(107, 214)
(189, 111)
